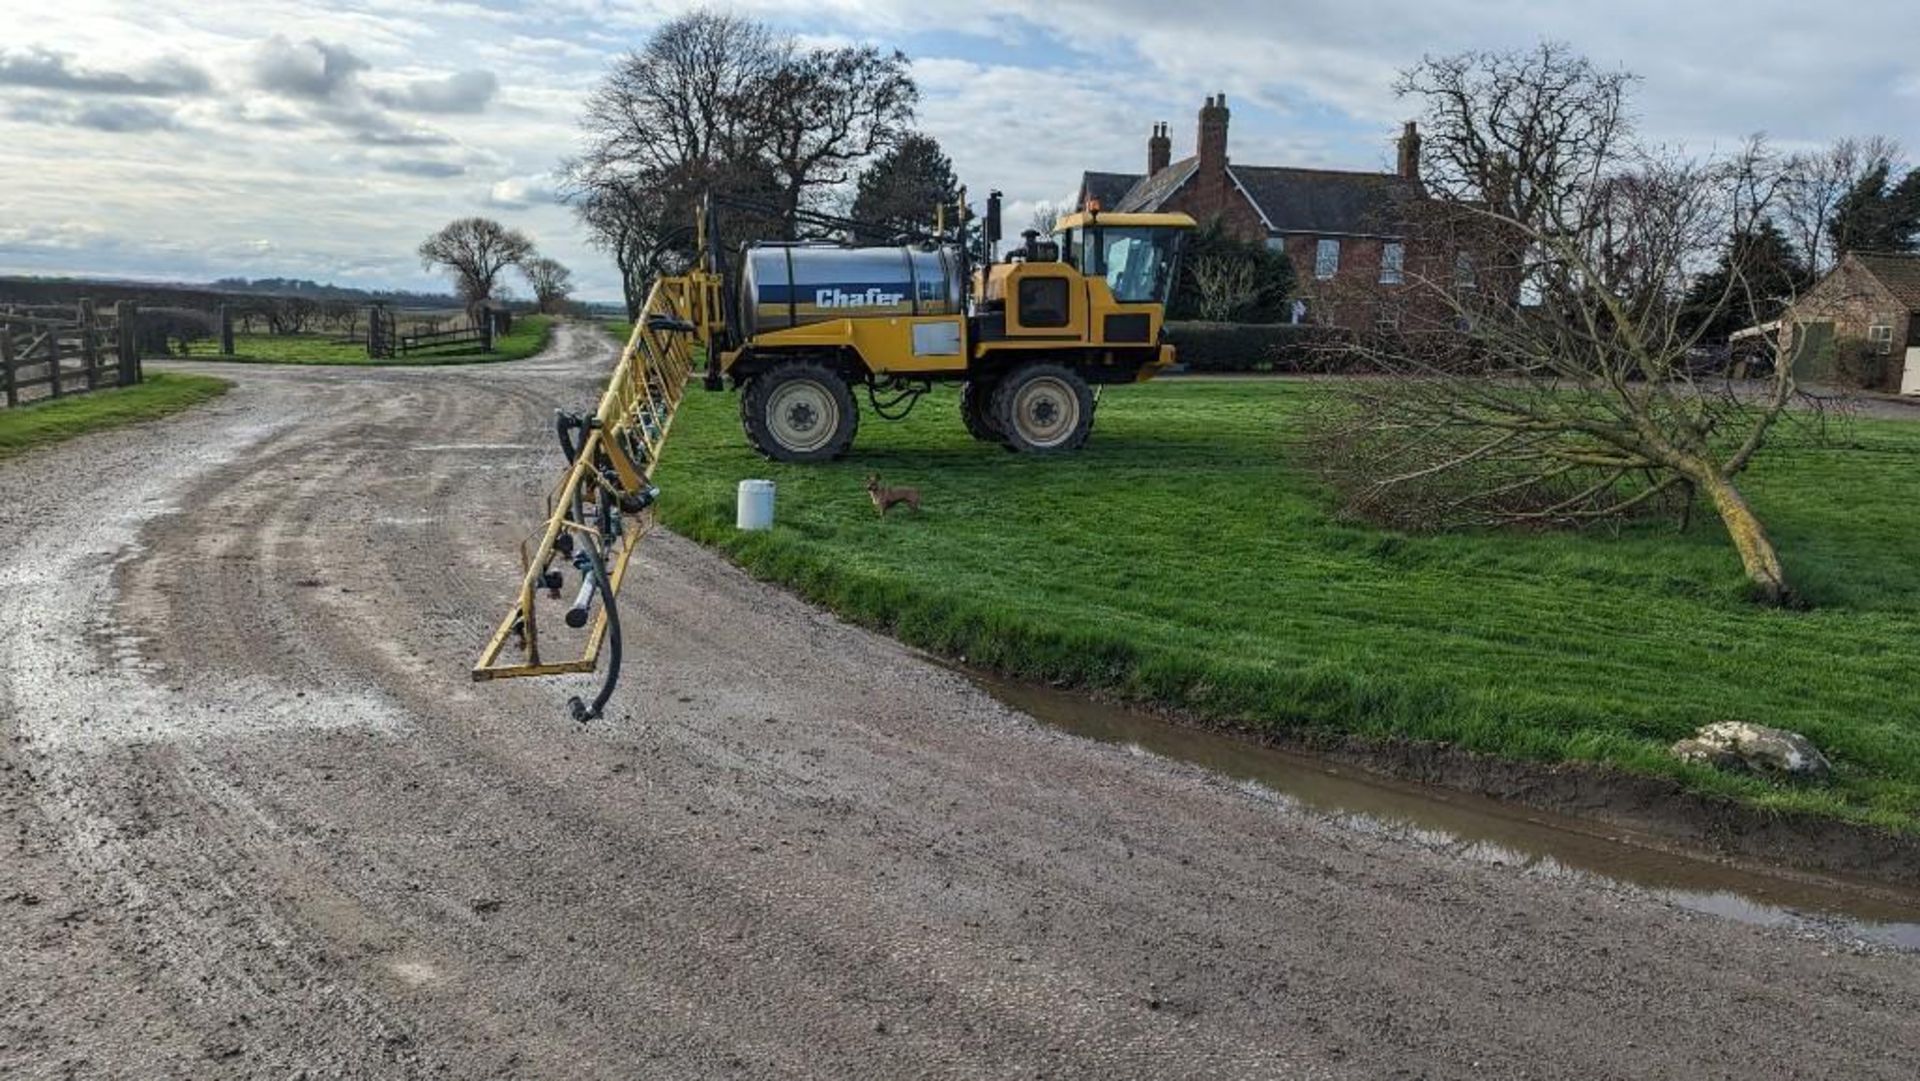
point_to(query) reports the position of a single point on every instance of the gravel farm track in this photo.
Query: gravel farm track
(258, 823)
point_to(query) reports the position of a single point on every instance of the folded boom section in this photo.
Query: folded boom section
(602, 507)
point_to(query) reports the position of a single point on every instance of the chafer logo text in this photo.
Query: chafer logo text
(871, 298)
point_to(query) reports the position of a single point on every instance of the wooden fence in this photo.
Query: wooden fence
(385, 338)
(51, 352)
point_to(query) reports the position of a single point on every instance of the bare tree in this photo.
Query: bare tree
(1543, 369)
(1045, 216)
(551, 281)
(291, 314)
(1817, 183)
(619, 223)
(823, 112)
(475, 251)
(343, 316)
(671, 122)
(1223, 285)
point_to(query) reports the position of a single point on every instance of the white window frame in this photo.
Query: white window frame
(1326, 258)
(1465, 275)
(1393, 263)
(1881, 337)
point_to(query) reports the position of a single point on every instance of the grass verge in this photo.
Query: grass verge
(529, 336)
(1185, 559)
(35, 425)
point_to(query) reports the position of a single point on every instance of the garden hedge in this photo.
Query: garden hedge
(1259, 347)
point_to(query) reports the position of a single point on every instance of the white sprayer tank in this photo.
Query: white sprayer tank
(792, 285)
(755, 510)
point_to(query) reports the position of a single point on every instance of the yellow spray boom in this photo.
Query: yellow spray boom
(602, 508)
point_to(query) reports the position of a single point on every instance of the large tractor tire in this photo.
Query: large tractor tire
(1043, 409)
(799, 411)
(976, 408)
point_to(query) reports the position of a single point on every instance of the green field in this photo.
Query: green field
(529, 336)
(46, 422)
(1185, 558)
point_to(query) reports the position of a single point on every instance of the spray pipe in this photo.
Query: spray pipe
(595, 574)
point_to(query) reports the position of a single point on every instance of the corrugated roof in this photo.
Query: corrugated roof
(1150, 193)
(1327, 200)
(1108, 188)
(1900, 273)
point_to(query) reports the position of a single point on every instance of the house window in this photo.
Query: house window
(1881, 338)
(1277, 243)
(1393, 263)
(1464, 276)
(1326, 259)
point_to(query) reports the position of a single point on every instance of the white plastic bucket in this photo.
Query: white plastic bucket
(756, 505)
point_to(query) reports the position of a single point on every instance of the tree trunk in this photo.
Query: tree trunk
(1750, 540)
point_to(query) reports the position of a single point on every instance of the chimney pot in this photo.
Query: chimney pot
(1159, 150)
(1211, 146)
(1409, 145)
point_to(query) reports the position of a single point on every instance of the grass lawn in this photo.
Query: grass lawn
(1184, 558)
(51, 421)
(529, 336)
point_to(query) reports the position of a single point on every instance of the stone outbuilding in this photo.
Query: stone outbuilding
(1871, 298)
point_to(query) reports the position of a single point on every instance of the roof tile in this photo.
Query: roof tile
(1328, 200)
(1899, 272)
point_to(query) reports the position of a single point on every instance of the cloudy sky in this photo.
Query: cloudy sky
(194, 139)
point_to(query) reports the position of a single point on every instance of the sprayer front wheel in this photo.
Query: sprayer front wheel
(1043, 409)
(799, 411)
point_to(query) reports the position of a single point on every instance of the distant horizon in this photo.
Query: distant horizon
(212, 285)
(175, 141)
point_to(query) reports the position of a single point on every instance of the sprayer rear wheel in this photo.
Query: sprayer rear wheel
(799, 411)
(976, 408)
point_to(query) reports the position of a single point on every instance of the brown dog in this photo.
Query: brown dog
(884, 498)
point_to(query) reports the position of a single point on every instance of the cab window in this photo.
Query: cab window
(1043, 302)
(1137, 263)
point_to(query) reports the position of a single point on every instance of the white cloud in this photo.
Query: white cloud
(307, 69)
(169, 135)
(461, 92)
(521, 192)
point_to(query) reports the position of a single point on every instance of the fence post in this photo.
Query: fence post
(6, 363)
(53, 359)
(125, 314)
(225, 316)
(486, 329)
(89, 342)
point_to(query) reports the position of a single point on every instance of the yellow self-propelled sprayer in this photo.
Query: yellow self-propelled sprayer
(795, 328)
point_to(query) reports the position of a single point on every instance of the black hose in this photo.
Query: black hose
(582, 712)
(564, 425)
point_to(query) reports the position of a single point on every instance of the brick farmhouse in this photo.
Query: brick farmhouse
(1344, 231)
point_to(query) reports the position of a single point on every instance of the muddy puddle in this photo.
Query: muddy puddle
(1476, 828)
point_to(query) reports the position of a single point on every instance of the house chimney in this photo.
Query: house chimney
(1212, 144)
(1159, 150)
(1410, 151)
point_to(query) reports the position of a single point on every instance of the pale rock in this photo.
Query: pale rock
(1754, 747)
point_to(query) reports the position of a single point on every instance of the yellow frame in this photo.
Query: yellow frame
(641, 401)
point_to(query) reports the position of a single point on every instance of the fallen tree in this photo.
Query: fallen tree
(1543, 365)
